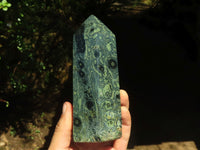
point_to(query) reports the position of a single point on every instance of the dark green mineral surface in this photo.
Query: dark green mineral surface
(96, 97)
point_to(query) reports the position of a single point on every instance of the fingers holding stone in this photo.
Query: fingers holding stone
(124, 98)
(63, 132)
(121, 144)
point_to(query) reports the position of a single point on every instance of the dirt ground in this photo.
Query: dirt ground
(33, 139)
(30, 130)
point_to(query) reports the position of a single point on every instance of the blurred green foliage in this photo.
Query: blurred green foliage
(36, 42)
(4, 5)
(33, 49)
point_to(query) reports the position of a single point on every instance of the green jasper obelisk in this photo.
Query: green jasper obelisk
(96, 97)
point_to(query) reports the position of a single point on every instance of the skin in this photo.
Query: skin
(62, 138)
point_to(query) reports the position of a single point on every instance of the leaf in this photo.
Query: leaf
(5, 8)
(37, 131)
(9, 5)
(21, 14)
(4, 1)
(7, 104)
(4, 5)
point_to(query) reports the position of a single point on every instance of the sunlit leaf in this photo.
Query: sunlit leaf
(4, 1)
(9, 5)
(5, 8)
(7, 103)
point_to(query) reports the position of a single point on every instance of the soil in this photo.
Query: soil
(29, 129)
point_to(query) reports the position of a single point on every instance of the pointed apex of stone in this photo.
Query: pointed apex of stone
(92, 23)
(92, 18)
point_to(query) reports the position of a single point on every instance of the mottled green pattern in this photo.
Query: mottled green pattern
(96, 99)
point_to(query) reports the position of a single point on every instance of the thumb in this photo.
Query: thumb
(63, 133)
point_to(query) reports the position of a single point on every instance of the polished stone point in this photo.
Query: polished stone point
(96, 97)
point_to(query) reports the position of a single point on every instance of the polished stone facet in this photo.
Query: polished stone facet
(96, 100)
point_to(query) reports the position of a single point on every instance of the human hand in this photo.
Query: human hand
(62, 138)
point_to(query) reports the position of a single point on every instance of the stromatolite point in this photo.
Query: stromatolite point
(96, 100)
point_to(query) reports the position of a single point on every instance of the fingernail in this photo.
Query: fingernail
(64, 108)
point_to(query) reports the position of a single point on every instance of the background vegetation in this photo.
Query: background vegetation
(36, 42)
